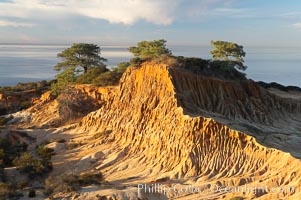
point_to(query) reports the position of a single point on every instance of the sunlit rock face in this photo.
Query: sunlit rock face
(166, 122)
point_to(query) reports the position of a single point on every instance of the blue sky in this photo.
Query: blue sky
(125, 22)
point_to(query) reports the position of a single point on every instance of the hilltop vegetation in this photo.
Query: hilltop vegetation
(229, 52)
(226, 57)
(80, 56)
(82, 64)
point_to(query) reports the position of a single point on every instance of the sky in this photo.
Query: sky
(125, 22)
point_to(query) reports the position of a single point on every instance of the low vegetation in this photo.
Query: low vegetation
(33, 166)
(45, 153)
(20, 97)
(10, 150)
(8, 191)
(279, 86)
(21, 87)
(71, 182)
(97, 76)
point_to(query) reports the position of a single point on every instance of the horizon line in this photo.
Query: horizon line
(123, 45)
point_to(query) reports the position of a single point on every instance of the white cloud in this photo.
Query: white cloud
(229, 11)
(297, 25)
(14, 24)
(291, 15)
(129, 11)
(162, 12)
(114, 11)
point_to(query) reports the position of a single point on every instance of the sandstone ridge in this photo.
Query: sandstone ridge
(163, 122)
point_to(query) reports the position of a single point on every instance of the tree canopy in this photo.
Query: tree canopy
(150, 49)
(80, 55)
(230, 52)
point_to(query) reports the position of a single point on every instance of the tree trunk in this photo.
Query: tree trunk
(85, 70)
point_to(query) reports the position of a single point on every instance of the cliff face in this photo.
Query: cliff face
(230, 99)
(157, 125)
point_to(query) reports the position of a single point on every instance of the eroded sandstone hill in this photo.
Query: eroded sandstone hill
(166, 123)
(167, 126)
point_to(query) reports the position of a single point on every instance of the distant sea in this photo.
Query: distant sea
(25, 63)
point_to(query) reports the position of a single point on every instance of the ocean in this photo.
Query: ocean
(25, 63)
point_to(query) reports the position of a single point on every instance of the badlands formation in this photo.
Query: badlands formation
(166, 133)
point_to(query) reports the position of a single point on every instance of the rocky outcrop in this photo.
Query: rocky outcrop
(9, 104)
(45, 97)
(165, 122)
(13, 101)
(68, 107)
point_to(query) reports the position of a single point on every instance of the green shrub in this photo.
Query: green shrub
(42, 84)
(90, 178)
(121, 67)
(216, 68)
(64, 183)
(102, 76)
(136, 62)
(193, 64)
(45, 153)
(71, 182)
(9, 151)
(167, 59)
(63, 80)
(91, 74)
(226, 69)
(26, 163)
(107, 78)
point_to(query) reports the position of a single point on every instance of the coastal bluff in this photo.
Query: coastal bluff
(169, 126)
